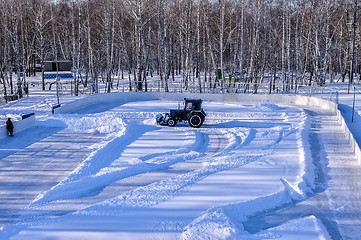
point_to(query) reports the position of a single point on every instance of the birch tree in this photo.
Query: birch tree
(162, 32)
(136, 10)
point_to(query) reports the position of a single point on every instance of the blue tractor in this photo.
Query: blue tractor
(192, 112)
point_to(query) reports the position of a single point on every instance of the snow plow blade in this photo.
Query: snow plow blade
(161, 120)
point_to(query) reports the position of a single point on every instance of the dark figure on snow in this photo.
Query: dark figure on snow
(10, 126)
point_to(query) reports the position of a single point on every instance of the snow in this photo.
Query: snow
(106, 171)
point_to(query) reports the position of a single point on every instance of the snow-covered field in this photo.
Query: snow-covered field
(107, 171)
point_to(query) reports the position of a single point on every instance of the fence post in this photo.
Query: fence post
(337, 97)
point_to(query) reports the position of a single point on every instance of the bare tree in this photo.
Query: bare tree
(313, 39)
(353, 45)
(136, 10)
(162, 32)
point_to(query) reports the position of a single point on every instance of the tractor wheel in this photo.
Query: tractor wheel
(171, 122)
(195, 120)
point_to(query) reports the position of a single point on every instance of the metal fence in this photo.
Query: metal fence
(65, 86)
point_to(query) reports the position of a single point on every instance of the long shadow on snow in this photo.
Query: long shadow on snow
(25, 138)
(85, 182)
(111, 152)
(311, 206)
(354, 126)
(246, 124)
(75, 186)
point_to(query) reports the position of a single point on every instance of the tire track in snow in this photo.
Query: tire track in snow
(190, 173)
(185, 173)
(182, 166)
(91, 178)
(163, 190)
(189, 158)
(178, 175)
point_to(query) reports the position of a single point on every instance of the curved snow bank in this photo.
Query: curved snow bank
(240, 98)
(225, 222)
(18, 125)
(98, 123)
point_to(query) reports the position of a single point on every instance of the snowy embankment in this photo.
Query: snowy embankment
(257, 158)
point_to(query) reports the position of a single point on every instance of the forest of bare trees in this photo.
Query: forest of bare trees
(296, 42)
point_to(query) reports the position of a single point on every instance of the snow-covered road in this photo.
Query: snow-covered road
(107, 171)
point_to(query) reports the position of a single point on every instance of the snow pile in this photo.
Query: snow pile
(228, 219)
(293, 192)
(215, 224)
(98, 123)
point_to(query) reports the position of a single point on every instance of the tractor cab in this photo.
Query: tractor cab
(192, 104)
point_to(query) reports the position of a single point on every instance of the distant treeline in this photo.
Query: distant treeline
(298, 42)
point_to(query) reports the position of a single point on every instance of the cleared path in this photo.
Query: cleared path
(29, 171)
